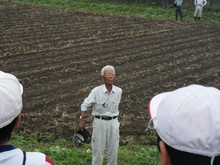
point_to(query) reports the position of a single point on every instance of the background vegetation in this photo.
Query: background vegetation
(64, 152)
(211, 15)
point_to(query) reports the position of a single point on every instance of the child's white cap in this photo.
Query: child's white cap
(10, 98)
(188, 119)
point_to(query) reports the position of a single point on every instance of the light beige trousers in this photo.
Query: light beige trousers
(198, 11)
(105, 136)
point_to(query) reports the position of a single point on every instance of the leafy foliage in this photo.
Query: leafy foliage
(210, 15)
(64, 152)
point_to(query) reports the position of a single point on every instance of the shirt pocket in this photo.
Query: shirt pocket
(99, 107)
(114, 106)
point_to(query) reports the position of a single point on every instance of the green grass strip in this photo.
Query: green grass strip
(210, 15)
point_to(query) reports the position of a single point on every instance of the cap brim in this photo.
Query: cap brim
(154, 104)
(21, 87)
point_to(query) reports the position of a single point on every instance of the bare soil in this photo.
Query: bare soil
(57, 54)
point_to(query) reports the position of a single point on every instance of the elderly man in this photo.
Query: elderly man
(10, 116)
(187, 121)
(104, 101)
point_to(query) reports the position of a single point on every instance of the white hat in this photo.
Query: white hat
(10, 98)
(188, 119)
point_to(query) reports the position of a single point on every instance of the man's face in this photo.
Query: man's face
(109, 76)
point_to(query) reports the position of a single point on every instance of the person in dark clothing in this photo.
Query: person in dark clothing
(178, 5)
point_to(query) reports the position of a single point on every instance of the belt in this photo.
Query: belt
(105, 117)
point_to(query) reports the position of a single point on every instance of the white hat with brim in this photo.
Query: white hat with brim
(188, 119)
(10, 98)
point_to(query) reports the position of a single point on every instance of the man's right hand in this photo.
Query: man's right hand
(82, 124)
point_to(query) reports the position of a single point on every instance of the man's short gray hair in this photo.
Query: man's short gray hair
(106, 67)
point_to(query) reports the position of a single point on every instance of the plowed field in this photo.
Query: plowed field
(57, 54)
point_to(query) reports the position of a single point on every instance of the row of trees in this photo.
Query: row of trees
(212, 3)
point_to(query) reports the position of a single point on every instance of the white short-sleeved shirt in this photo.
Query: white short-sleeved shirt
(9, 155)
(200, 2)
(102, 102)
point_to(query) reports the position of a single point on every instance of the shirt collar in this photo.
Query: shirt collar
(6, 148)
(105, 89)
